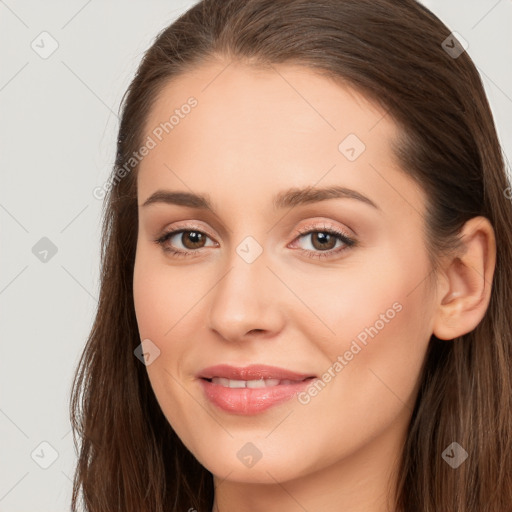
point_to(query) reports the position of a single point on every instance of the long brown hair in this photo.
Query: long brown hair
(394, 52)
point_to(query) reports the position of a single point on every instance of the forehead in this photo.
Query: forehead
(231, 96)
(253, 128)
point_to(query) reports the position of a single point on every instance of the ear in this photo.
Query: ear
(464, 287)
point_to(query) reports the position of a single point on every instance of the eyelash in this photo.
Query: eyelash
(348, 241)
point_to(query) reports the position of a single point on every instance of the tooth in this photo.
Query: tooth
(260, 383)
(237, 383)
(255, 383)
(221, 381)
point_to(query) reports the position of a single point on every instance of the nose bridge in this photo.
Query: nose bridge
(244, 299)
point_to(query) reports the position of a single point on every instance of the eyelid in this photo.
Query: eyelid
(312, 227)
(182, 226)
(320, 226)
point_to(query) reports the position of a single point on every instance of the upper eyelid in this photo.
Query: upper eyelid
(303, 231)
(180, 229)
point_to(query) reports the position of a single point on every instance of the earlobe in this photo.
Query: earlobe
(466, 281)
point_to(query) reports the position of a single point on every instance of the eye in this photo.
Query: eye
(323, 240)
(190, 239)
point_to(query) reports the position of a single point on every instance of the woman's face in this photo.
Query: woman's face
(332, 286)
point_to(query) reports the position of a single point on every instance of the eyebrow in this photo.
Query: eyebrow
(285, 199)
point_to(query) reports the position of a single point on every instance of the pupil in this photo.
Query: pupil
(323, 237)
(194, 237)
(323, 240)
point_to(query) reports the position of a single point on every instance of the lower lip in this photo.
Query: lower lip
(251, 400)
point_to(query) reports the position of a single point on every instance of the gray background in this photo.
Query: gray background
(58, 127)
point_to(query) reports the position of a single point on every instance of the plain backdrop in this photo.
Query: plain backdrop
(58, 124)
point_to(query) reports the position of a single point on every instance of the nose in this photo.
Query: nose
(246, 301)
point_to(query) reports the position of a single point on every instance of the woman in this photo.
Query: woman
(305, 296)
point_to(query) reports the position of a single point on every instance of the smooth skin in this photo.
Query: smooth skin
(254, 134)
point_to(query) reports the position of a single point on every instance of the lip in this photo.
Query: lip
(249, 401)
(254, 371)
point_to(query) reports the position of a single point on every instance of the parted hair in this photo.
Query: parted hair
(395, 53)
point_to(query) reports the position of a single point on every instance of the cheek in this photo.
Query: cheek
(161, 305)
(382, 326)
(375, 380)
(163, 295)
(167, 302)
(378, 294)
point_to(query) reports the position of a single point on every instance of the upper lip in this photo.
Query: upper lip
(251, 372)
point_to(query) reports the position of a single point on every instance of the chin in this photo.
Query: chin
(264, 470)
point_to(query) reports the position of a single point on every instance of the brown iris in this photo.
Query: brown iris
(195, 238)
(324, 240)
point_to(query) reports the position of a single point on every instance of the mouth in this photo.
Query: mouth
(252, 389)
(253, 383)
